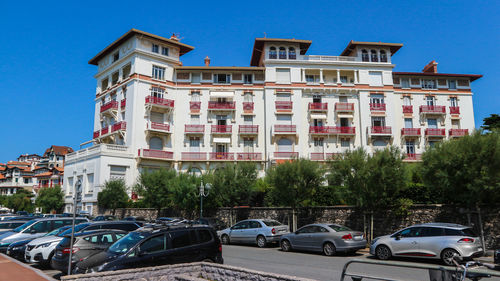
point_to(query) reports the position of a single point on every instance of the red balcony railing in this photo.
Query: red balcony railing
(284, 105)
(194, 156)
(221, 156)
(104, 131)
(195, 105)
(248, 156)
(410, 131)
(285, 128)
(123, 103)
(247, 106)
(385, 130)
(286, 155)
(109, 105)
(317, 156)
(159, 101)
(119, 126)
(194, 129)
(407, 108)
(458, 132)
(377, 106)
(346, 130)
(318, 106)
(344, 107)
(221, 105)
(435, 132)
(432, 109)
(330, 156)
(159, 127)
(222, 129)
(328, 130)
(96, 134)
(153, 153)
(454, 110)
(413, 157)
(249, 129)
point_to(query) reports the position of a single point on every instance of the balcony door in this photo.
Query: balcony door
(248, 145)
(455, 124)
(316, 99)
(377, 99)
(194, 144)
(221, 148)
(343, 99)
(344, 122)
(410, 147)
(432, 123)
(156, 117)
(430, 100)
(408, 123)
(222, 120)
(318, 122)
(285, 145)
(378, 121)
(156, 143)
(318, 145)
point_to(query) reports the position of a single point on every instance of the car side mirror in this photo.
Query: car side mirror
(398, 237)
(32, 231)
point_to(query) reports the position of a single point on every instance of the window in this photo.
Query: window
(377, 99)
(306, 229)
(291, 53)
(364, 56)
(453, 102)
(312, 78)
(345, 143)
(452, 84)
(318, 142)
(248, 145)
(383, 56)
(117, 172)
(430, 100)
(375, 78)
(195, 96)
(114, 78)
(285, 145)
(90, 183)
(408, 123)
(126, 71)
(157, 92)
(195, 78)
(156, 117)
(254, 224)
(204, 236)
(410, 147)
(374, 56)
(26, 180)
(194, 144)
(247, 79)
(40, 227)
(222, 78)
(283, 75)
(155, 48)
(410, 232)
(432, 143)
(154, 245)
(156, 143)
(405, 83)
(248, 97)
(164, 51)
(248, 119)
(158, 72)
(116, 56)
(455, 124)
(428, 84)
(379, 143)
(432, 123)
(282, 53)
(343, 79)
(195, 119)
(378, 121)
(104, 84)
(272, 53)
(406, 100)
(241, 225)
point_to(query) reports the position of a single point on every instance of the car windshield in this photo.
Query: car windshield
(339, 228)
(78, 228)
(58, 230)
(22, 227)
(126, 243)
(271, 223)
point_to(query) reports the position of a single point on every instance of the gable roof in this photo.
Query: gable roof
(58, 150)
(353, 44)
(258, 47)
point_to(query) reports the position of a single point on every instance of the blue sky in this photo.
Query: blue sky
(47, 87)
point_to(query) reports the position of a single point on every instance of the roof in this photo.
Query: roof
(471, 76)
(443, 224)
(58, 150)
(353, 44)
(60, 169)
(183, 47)
(46, 174)
(258, 47)
(19, 163)
(244, 68)
(2, 177)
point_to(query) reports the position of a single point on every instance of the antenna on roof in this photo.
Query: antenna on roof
(265, 35)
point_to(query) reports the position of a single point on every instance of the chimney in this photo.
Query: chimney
(431, 67)
(174, 37)
(207, 61)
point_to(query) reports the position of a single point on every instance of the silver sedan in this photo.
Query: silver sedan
(325, 237)
(259, 231)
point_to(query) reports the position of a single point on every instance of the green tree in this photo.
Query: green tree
(491, 123)
(50, 199)
(153, 186)
(234, 184)
(20, 201)
(467, 170)
(184, 192)
(113, 195)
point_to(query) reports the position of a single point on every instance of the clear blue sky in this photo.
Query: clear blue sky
(47, 87)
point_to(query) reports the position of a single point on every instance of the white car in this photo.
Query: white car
(41, 250)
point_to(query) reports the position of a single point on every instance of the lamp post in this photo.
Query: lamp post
(202, 194)
(77, 198)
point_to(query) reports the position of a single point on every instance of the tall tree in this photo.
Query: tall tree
(234, 184)
(154, 188)
(491, 123)
(113, 196)
(50, 199)
(20, 201)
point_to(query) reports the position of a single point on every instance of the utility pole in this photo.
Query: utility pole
(202, 194)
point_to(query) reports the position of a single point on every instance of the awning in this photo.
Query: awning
(221, 140)
(345, 116)
(221, 94)
(318, 116)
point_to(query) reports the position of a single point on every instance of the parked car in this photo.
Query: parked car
(105, 218)
(34, 229)
(431, 240)
(6, 216)
(9, 225)
(258, 231)
(20, 218)
(48, 242)
(85, 244)
(324, 237)
(216, 223)
(168, 219)
(22, 213)
(496, 256)
(117, 225)
(157, 245)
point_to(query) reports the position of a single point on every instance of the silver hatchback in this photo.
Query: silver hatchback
(259, 231)
(430, 240)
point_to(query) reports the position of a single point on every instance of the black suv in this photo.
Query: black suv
(155, 245)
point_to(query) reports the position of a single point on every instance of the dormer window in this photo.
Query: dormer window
(374, 56)
(222, 78)
(272, 53)
(282, 53)
(364, 55)
(291, 53)
(247, 79)
(155, 49)
(164, 51)
(383, 56)
(116, 56)
(428, 84)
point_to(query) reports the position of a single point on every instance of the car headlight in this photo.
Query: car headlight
(44, 245)
(374, 241)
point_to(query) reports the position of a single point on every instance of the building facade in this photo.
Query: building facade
(151, 111)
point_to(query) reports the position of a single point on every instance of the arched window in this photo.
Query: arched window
(282, 53)
(291, 53)
(156, 143)
(374, 56)
(285, 145)
(364, 55)
(272, 53)
(383, 56)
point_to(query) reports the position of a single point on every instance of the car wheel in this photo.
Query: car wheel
(447, 256)
(225, 239)
(329, 249)
(46, 263)
(383, 252)
(261, 241)
(285, 246)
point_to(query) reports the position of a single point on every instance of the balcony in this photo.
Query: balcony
(249, 156)
(104, 131)
(194, 156)
(96, 150)
(318, 106)
(285, 129)
(331, 156)
(410, 132)
(407, 108)
(109, 106)
(248, 129)
(214, 105)
(195, 106)
(317, 156)
(377, 106)
(221, 156)
(160, 102)
(454, 110)
(344, 107)
(380, 131)
(155, 154)
(123, 103)
(248, 107)
(222, 129)
(456, 133)
(96, 134)
(432, 109)
(286, 155)
(346, 131)
(194, 129)
(284, 106)
(322, 130)
(412, 157)
(328, 58)
(120, 126)
(158, 127)
(435, 132)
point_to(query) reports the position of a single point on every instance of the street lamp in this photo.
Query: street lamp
(202, 194)
(77, 198)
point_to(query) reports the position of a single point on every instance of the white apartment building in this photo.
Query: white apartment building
(151, 111)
